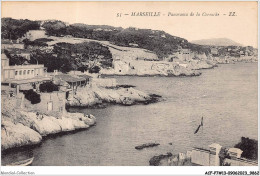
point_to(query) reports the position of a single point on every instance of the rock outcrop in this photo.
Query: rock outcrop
(28, 128)
(87, 97)
(17, 135)
(229, 59)
(151, 68)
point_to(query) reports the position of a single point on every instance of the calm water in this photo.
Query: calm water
(225, 96)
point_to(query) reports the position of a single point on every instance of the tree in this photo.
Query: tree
(94, 69)
(32, 96)
(249, 148)
(56, 28)
(83, 68)
(14, 29)
(48, 87)
(15, 59)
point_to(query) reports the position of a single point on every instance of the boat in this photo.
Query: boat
(146, 145)
(26, 162)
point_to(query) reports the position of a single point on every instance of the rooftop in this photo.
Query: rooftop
(4, 41)
(26, 81)
(235, 150)
(85, 76)
(215, 145)
(19, 51)
(24, 66)
(69, 78)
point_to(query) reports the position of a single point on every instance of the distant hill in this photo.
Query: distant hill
(217, 42)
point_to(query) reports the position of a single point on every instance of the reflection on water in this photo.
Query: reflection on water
(225, 96)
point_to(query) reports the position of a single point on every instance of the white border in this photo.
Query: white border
(131, 170)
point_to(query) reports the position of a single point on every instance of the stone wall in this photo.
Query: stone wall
(200, 157)
(51, 103)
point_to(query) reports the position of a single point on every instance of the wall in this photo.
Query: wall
(200, 157)
(240, 162)
(51, 103)
(7, 74)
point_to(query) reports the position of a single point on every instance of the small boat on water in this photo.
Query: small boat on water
(26, 162)
(146, 145)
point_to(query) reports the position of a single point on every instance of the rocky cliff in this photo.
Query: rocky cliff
(20, 128)
(95, 95)
(162, 68)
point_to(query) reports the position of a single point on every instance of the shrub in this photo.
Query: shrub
(48, 87)
(83, 68)
(32, 96)
(249, 148)
(94, 69)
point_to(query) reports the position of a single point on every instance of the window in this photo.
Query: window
(49, 106)
(32, 72)
(24, 72)
(11, 94)
(20, 72)
(28, 72)
(16, 72)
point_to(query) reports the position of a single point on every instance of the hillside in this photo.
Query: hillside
(217, 42)
(156, 41)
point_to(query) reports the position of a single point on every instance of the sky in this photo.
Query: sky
(241, 28)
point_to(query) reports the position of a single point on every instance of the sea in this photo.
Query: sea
(226, 97)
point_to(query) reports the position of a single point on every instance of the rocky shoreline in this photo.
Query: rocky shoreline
(29, 128)
(97, 97)
(176, 68)
(21, 128)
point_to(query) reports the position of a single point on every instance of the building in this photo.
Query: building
(35, 34)
(133, 44)
(214, 52)
(206, 157)
(235, 152)
(9, 44)
(25, 53)
(71, 82)
(242, 53)
(213, 156)
(22, 75)
(184, 54)
(52, 103)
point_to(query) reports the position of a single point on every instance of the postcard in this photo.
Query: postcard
(136, 83)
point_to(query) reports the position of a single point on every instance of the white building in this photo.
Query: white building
(235, 152)
(9, 44)
(21, 74)
(35, 34)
